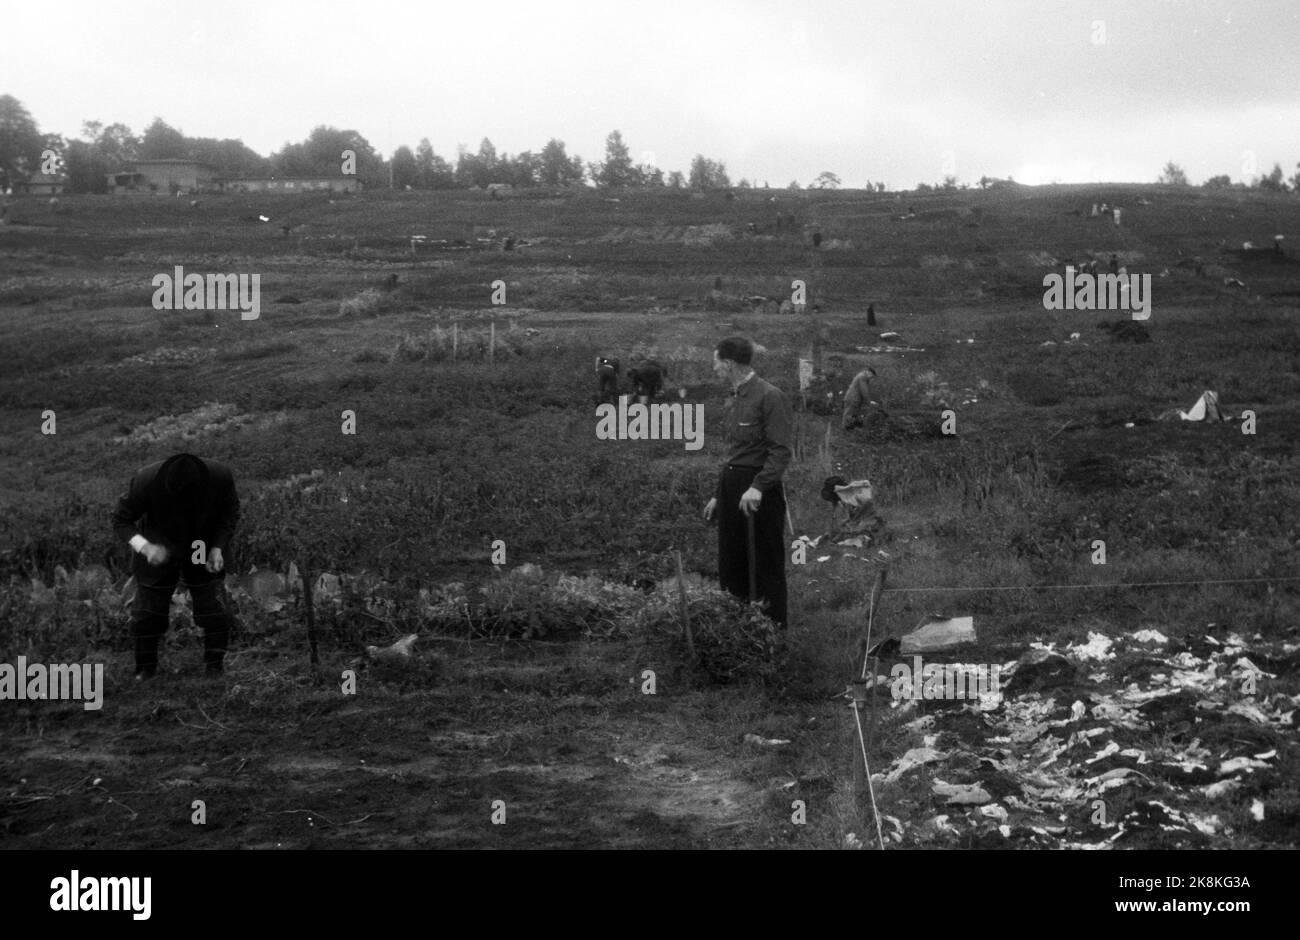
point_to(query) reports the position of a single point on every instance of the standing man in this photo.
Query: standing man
(757, 426)
(167, 508)
(857, 399)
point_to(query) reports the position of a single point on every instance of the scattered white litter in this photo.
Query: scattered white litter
(1109, 749)
(1248, 764)
(1097, 647)
(1257, 810)
(994, 811)
(913, 758)
(1221, 788)
(962, 794)
(766, 742)
(1150, 636)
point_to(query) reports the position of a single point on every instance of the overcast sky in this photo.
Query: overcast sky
(1039, 90)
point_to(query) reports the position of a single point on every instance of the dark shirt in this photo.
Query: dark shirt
(757, 423)
(147, 506)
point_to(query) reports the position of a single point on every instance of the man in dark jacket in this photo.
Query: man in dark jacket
(647, 380)
(757, 425)
(178, 515)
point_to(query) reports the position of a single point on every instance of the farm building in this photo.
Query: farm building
(163, 176)
(291, 184)
(41, 184)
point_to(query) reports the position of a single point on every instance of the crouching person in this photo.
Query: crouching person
(168, 507)
(857, 400)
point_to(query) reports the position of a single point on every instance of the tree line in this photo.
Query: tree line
(102, 149)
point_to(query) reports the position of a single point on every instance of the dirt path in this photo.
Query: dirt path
(561, 733)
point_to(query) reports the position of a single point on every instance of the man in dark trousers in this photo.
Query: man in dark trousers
(757, 425)
(168, 507)
(647, 380)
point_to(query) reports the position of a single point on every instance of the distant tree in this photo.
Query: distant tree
(466, 165)
(1274, 181)
(406, 170)
(321, 154)
(708, 174)
(794, 184)
(744, 184)
(229, 157)
(1173, 175)
(676, 180)
(1295, 180)
(161, 141)
(556, 167)
(487, 159)
(21, 142)
(924, 188)
(880, 187)
(984, 182)
(85, 169)
(526, 168)
(648, 175)
(116, 144)
(617, 170)
(949, 184)
(1224, 181)
(431, 170)
(825, 180)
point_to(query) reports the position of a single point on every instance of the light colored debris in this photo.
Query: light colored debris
(936, 635)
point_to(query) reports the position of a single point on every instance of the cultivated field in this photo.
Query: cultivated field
(1171, 707)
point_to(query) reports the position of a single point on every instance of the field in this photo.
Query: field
(1148, 702)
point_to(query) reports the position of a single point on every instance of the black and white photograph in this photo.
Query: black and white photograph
(731, 425)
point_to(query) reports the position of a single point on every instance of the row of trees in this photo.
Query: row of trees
(103, 149)
(1273, 181)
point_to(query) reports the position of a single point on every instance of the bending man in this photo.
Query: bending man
(166, 509)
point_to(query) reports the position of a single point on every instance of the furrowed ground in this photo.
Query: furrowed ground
(1132, 696)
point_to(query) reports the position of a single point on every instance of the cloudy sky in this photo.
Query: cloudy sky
(778, 90)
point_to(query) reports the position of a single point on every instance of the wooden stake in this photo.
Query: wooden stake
(859, 688)
(492, 343)
(455, 338)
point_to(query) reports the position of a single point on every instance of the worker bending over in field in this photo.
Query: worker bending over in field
(647, 380)
(858, 399)
(757, 425)
(168, 507)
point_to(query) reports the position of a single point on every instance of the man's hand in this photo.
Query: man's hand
(709, 508)
(154, 554)
(215, 561)
(750, 500)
